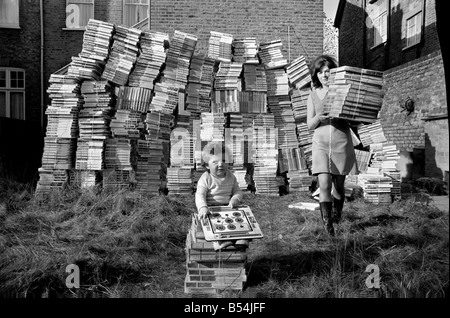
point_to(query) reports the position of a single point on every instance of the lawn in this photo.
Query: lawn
(127, 245)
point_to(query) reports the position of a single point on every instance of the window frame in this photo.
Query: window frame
(418, 30)
(80, 2)
(381, 33)
(15, 24)
(127, 4)
(8, 89)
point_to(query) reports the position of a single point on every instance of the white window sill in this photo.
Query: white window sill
(411, 46)
(74, 29)
(17, 27)
(376, 46)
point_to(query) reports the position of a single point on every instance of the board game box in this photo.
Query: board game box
(225, 223)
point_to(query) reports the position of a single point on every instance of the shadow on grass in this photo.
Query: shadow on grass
(379, 220)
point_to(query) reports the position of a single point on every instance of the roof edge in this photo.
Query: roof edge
(339, 13)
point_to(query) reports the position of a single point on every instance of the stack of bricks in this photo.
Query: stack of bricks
(212, 272)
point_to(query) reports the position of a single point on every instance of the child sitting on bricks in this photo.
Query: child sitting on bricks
(218, 186)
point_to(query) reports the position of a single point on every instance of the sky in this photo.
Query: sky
(330, 7)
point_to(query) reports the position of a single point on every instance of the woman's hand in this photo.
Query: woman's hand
(233, 203)
(322, 116)
(203, 213)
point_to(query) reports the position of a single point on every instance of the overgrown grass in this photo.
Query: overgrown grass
(127, 245)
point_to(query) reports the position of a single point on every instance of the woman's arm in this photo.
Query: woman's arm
(311, 119)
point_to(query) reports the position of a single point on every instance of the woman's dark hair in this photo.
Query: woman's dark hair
(319, 62)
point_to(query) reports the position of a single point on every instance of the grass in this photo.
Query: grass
(127, 245)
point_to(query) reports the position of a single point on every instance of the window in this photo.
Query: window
(413, 29)
(135, 11)
(78, 13)
(379, 29)
(377, 22)
(12, 93)
(9, 13)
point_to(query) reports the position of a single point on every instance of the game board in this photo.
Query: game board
(226, 223)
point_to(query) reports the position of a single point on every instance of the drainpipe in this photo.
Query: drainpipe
(388, 36)
(364, 33)
(42, 64)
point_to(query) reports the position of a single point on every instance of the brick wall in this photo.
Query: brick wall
(351, 38)
(356, 38)
(264, 19)
(436, 148)
(423, 81)
(21, 48)
(430, 41)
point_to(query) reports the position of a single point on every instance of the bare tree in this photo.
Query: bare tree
(330, 38)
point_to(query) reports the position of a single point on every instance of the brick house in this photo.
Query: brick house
(39, 37)
(400, 38)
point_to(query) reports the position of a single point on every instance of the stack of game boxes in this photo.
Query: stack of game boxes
(126, 123)
(298, 73)
(123, 56)
(265, 155)
(299, 180)
(371, 134)
(363, 159)
(169, 98)
(245, 50)
(234, 139)
(148, 165)
(304, 135)
(384, 155)
(212, 127)
(165, 98)
(134, 98)
(182, 47)
(200, 82)
(97, 40)
(94, 123)
(254, 78)
(61, 133)
(277, 82)
(179, 180)
(299, 98)
(120, 151)
(150, 60)
(376, 187)
(271, 55)
(182, 146)
(118, 168)
(226, 86)
(396, 190)
(281, 107)
(354, 94)
(211, 272)
(220, 46)
(90, 62)
(293, 162)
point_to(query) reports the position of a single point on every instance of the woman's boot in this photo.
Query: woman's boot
(338, 205)
(326, 211)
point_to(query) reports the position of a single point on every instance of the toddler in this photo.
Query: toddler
(218, 185)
